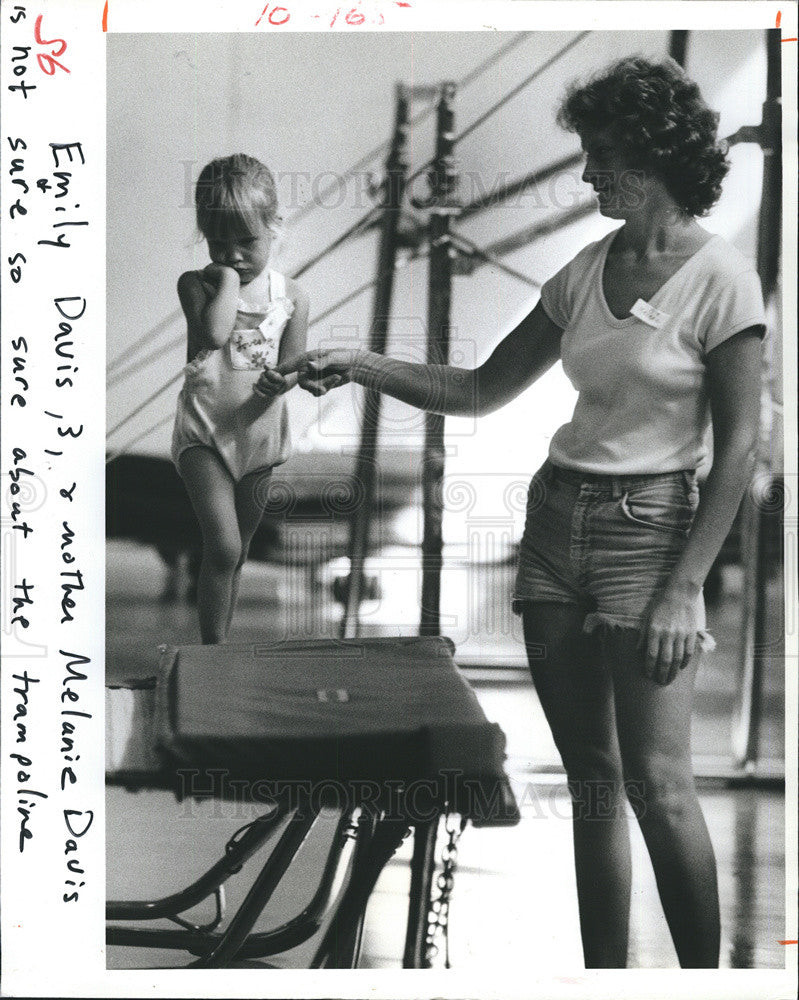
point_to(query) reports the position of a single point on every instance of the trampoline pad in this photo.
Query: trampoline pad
(380, 709)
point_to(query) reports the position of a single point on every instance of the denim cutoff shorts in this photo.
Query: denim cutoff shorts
(605, 543)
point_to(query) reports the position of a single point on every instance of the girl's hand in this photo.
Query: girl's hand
(271, 384)
(220, 275)
(670, 639)
(325, 369)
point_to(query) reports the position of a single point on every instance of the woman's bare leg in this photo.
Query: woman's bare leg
(211, 490)
(654, 730)
(576, 694)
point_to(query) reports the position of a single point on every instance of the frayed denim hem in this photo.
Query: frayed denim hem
(598, 621)
(602, 621)
(518, 604)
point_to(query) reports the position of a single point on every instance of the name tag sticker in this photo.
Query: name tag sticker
(649, 315)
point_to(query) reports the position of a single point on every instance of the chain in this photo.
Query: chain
(438, 917)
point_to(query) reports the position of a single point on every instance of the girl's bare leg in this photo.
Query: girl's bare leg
(577, 697)
(212, 493)
(654, 729)
(250, 498)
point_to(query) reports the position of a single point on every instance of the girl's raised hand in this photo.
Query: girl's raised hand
(219, 275)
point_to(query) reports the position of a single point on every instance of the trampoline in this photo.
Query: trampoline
(385, 732)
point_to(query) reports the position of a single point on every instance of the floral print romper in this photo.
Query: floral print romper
(218, 407)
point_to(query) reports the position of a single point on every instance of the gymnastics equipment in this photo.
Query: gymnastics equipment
(754, 644)
(385, 731)
(365, 464)
(443, 203)
(755, 510)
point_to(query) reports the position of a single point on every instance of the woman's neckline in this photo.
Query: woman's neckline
(620, 320)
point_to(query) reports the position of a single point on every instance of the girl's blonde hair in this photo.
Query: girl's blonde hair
(235, 193)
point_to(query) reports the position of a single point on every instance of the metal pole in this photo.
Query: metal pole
(262, 888)
(507, 191)
(423, 864)
(747, 714)
(678, 46)
(365, 466)
(770, 223)
(443, 181)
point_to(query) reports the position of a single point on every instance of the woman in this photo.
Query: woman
(657, 325)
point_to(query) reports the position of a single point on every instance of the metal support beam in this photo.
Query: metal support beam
(443, 180)
(754, 640)
(423, 864)
(769, 235)
(504, 192)
(678, 46)
(366, 463)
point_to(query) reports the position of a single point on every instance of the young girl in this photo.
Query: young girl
(231, 426)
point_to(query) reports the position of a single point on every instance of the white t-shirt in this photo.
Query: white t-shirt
(643, 404)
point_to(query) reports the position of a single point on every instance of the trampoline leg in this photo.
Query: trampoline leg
(261, 890)
(347, 951)
(341, 941)
(422, 867)
(358, 941)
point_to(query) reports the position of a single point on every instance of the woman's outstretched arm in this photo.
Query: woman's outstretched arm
(519, 359)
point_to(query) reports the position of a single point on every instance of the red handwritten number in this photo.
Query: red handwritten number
(353, 17)
(46, 61)
(273, 19)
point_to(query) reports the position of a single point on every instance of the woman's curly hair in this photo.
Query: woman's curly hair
(661, 123)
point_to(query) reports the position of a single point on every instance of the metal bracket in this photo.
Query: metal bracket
(746, 133)
(219, 899)
(423, 92)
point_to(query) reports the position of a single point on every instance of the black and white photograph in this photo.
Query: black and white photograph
(449, 503)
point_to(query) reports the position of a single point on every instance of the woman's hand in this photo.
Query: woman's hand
(670, 638)
(325, 369)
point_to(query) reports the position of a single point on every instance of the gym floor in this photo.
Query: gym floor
(521, 876)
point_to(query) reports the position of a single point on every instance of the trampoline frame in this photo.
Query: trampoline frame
(363, 843)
